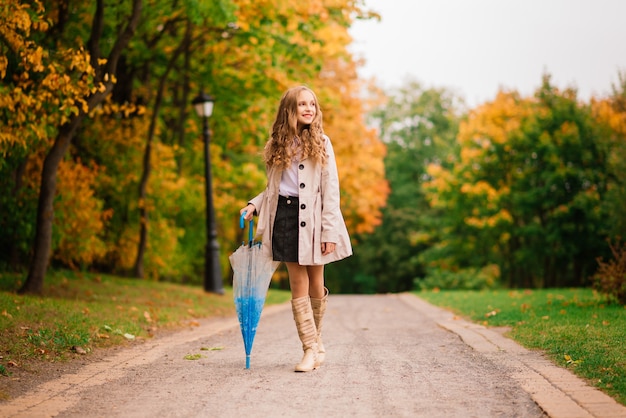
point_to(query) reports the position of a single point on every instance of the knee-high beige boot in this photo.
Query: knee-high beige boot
(319, 309)
(303, 315)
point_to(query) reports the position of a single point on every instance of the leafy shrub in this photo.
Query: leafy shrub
(463, 279)
(610, 279)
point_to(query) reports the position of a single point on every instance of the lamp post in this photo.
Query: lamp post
(203, 103)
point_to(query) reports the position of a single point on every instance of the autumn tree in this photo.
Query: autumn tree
(526, 192)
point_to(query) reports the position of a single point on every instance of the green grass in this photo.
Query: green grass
(575, 327)
(88, 311)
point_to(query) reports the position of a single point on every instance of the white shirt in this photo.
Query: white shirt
(289, 180)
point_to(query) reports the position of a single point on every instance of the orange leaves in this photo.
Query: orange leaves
(79, 216)
(493, 122)
(15, 24)
(503, 216)
(4, 62)
(607, 111)
(480, 188)
(46, 87)
(35, 59)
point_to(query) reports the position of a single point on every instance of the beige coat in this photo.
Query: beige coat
(320, 217)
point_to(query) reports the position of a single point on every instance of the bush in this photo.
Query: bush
(463, 279)
(610, 279)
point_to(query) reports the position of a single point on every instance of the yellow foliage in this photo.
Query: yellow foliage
(162, 246)
(16, 24)
(481, 188)
(125, 248)
(441, 181)
(503, 216)
(493, 121)
(79, 216)
(605, 111)
(64, 77)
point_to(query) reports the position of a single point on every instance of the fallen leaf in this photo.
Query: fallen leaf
(492, 313)
(12, 363)
(8, 315)
(211, 348)
(570, 361)
(193, 356)
(146, 315)
(129, 336)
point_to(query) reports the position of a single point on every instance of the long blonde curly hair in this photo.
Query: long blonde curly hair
(287, 140)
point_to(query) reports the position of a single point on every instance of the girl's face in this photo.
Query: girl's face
(306, 110)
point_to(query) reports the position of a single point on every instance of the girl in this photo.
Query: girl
(299, 215)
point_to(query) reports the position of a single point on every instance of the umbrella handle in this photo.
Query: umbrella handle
(251, 229)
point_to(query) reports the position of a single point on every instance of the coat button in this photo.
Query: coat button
(302, 224)
(302, 185)
(303, 206)
(301, 166)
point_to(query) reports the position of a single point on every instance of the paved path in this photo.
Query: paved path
(388, 356)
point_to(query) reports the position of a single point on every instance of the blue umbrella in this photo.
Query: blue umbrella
(252, 275)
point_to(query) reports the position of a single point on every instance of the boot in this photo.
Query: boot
(319, 308)
(303, 315)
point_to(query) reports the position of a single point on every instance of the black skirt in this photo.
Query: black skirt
(285, 232)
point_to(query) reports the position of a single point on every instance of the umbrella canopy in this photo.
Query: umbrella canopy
(252, 274)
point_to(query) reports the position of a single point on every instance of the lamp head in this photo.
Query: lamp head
(203, 103)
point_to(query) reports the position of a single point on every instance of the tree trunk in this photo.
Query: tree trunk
(143, 212)
(182, 116)
(45, 208)
(138, 270)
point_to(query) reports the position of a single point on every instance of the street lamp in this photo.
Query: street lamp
(203, 103)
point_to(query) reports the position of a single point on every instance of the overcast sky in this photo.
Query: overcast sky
(476, 46)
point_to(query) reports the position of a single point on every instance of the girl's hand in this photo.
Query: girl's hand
(249, 211)
(328, 247)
